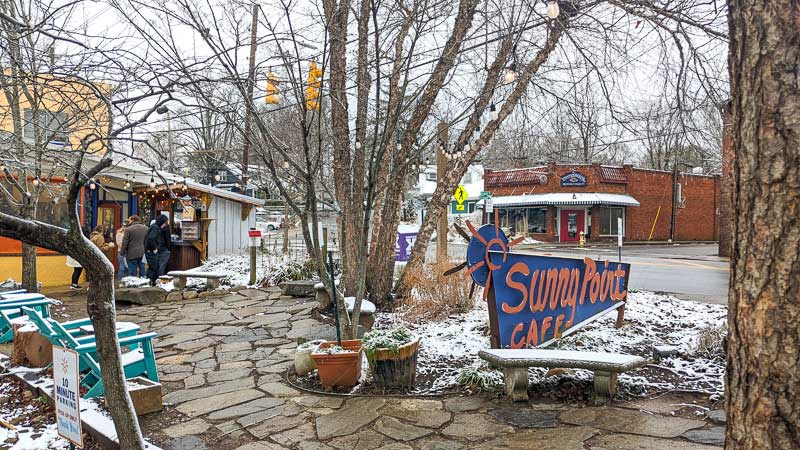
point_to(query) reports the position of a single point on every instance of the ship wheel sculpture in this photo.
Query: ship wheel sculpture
(484, 240)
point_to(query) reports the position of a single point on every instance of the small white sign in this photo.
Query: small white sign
(489, 205)
(619, 231)
(67, 395)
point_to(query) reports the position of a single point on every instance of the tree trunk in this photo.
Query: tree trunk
(763, 380)
(29, 282)
(100, 306)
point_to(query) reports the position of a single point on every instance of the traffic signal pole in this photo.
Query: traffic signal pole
(251, 75)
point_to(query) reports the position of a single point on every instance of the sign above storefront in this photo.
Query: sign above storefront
(573, 179)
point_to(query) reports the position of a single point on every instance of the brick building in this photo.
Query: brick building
(554, 203)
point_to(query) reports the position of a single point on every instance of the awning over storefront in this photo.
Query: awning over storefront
(564, 198)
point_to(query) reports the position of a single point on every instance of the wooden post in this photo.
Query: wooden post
(620, 316)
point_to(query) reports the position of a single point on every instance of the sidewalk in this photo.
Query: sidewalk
(222, 363)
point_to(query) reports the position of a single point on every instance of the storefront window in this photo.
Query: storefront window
(537, 222)
(608, 221)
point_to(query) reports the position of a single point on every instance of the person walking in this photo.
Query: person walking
(77, 269)
(133, 246)
(122, 271)
(157, 248)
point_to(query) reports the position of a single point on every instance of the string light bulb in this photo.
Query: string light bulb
(493, 111)
(511, 73)
(152, 182)
(216, 177)
(92, 185)
(552, 10)
(286, 164)
(2, 167)
(358, 145)
(35, 181)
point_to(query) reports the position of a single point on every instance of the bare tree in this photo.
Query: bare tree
(71, 112)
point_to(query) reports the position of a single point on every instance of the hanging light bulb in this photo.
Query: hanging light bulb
(466, 148)
(493, 111)
(92, 185)
(2, 168)
(35, 181)
(358, 145)
(216, 177)
(511, 73)
(286, 164)
(552, 10)
(152, 182)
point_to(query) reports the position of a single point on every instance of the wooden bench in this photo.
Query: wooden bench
(515, 363)
(212, 278)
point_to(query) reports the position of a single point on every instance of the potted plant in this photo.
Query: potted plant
(392, 356)
(338, 365)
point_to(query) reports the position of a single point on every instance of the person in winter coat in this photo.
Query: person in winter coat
(157, 248)
(133, 246)
(98, 238)
(77, 269)
(122, 272)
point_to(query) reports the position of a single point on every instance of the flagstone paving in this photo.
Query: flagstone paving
(222, 362)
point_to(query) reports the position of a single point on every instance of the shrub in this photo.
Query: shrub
(478, 379)
(435, 296)
(711, 341)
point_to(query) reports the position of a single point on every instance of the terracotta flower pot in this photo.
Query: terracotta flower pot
(339, 369)
(395, 368)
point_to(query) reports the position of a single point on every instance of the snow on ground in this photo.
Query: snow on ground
(270, 269)
(25, 437)
(650, 319)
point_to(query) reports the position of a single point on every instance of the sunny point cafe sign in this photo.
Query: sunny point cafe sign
(533, 300)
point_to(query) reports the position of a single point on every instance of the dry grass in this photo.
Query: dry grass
(711, 341)
(435, 296)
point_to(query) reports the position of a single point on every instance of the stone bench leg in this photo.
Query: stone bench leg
(516, 379)
(179, 282)
(605, 383)
(212, 283)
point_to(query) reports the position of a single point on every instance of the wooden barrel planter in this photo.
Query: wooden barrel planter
(394, 368)
(339, 369)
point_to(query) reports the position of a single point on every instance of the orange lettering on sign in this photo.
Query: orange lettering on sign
(522, 268)
(522, 341)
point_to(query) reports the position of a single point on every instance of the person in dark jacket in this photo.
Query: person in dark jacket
(133, 246)
(166, 246)
(157, 246)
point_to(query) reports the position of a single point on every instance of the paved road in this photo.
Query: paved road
(690, 271)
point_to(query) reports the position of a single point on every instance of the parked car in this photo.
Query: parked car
(268, 225)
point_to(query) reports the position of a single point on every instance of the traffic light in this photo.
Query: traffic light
(314, 87)
(272, 97)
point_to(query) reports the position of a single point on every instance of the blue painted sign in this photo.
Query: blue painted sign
(537, 298)
(573, 179)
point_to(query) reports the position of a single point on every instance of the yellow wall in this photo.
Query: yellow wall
(51, 270)
(86, 112)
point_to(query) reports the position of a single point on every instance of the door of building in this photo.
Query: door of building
(110, 214)
(572, 223)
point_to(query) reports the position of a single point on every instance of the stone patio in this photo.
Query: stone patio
(222, 361)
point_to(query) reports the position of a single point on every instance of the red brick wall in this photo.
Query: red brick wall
(695, 221)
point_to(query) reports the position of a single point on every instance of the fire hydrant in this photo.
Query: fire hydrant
(582, 240)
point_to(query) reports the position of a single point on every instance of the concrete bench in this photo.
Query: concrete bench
(212, 278)
(515, 363)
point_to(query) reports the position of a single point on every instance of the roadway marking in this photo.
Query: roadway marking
(676, 263)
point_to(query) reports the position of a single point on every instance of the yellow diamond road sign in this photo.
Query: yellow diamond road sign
(460, 194)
